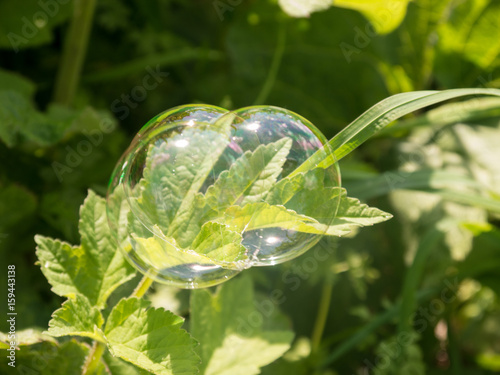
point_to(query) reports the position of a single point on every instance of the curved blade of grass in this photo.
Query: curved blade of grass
(452, 113)
(379, 116)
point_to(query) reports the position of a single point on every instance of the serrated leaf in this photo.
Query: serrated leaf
(232, 339)
(26, 337)
(219, 243)
(351, 213)
(174, 175)
(150, 338)
(96, 242)
(94, 269)
(309, 207)
(215, 244)
(285, 189)
(50, 358)
(262, 215)
(250, 177)
(77, 317)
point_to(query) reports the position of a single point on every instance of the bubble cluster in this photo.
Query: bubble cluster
(203, 193)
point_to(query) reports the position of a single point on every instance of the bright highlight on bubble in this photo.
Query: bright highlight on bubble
(203, 193)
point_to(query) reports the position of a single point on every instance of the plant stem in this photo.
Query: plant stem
(93, 358)
(324, 307)
(275, 66)
(74, 51)
(142, 287)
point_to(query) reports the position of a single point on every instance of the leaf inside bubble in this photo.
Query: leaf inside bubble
(190, 227)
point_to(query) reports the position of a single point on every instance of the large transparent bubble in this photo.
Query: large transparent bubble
(203, 193)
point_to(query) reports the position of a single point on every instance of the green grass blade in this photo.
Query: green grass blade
(452, 113)
(379, 116)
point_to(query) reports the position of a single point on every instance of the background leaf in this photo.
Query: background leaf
(77, 317)
(150, 338)
(232, 332)
(94, 269)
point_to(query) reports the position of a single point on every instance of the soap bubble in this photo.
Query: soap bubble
(203, 193)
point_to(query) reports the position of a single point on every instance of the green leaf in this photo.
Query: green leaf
(26, 337)
(219, 243)
(214, 245)
(30, 25)
(384, 15)
(16, 204)
(22, 121)
(94, 269)
(379, 116)
(262, 215)
(250, 177)
(171, 185)
(117, 366)
(321, 203)
(11, 81)
(232, 332)
(50, 358)
(351, 213)
(285, 189)
(77, 317)
(15, 112)
(471, 32)
(150, 338)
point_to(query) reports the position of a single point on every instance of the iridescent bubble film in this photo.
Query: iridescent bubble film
(203, 193)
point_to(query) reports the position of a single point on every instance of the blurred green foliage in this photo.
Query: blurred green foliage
(437, 171)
